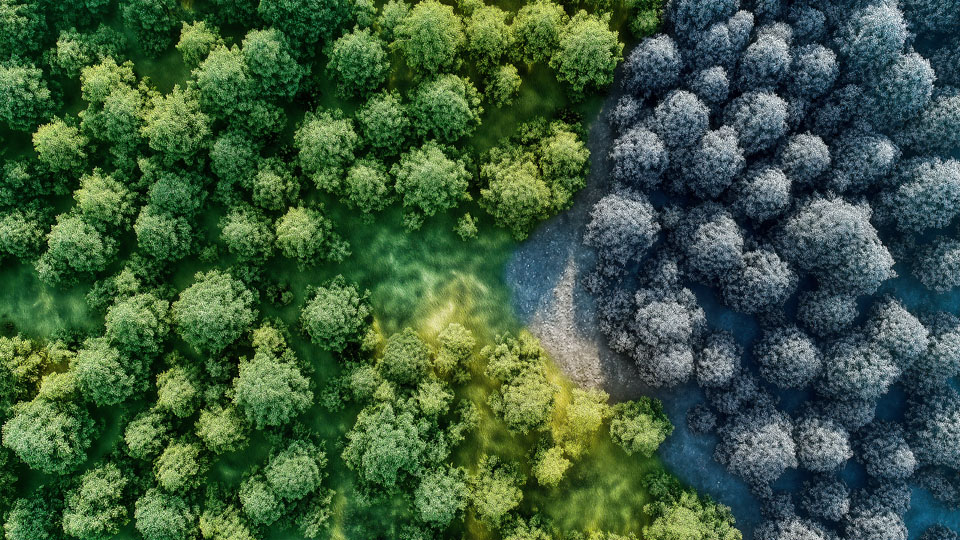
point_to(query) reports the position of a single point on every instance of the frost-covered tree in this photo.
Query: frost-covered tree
(792, 528)
(813, 72)
(763, 194)
(937, 265)
(867, 525)
(902, 90)
(757, 446)
(652, 67)
(872, 38)
(885, 453)
(692, 16)
(639, 158)
(718, 362)
(862, 161)
(680, 119)
(764, 282)
(834, 241)
(712, 85)
(854, 366)
(898, 331)
(623, 226)
(787, 357)
(928, 198)
(825, 314)
(764, 64)
(825, 497)
(804, 157)
(934, 423)
(760, 119)
(722, 42)
(666, 324)
(822, 445)
(711, 242)
(712, 165)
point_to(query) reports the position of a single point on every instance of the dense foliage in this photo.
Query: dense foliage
(795, 163)
(189, 173)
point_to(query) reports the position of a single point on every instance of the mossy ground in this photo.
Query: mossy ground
(424, 279)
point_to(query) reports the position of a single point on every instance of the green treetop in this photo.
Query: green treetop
(430, 37)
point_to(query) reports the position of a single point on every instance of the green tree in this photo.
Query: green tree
(275, 70)
(34, 518)
(51, 437)
(495, 490)
(248, 234)
(138, 324)
(429, 182)
(537, 28)
(582, 418)
(441, 495)
(296, 471)
(74, 49)
(456, 348)
(180, 467)
(640, 426)
(502, 85)
(175, 126)
(384, 448)
(489, 37)
(222, 429)
(367, 187)
(224, 522)
(446, 108)
(25, 100)
(117, 120)
(100, 80)
(646, 17)
(588, 53)
(101, 374)
(516, 194)
(274, 187)
(336, 315)
(102, 199)
(74, 249)
(525, 402)
(96, 509)
(259, 501)
(178, 391)
(308, 23)
(326, 142)
(161, 516)
(153, 21)
(430, 37)
(233, 158)
(178, 193)
(271, 389)
(406, 358)
(384, 123)
(21, 235)
(223, 80)
(550, 466)
(165, 237)
(197, 39)
(391, 14)
(305, 235)
(213, 312)
(60, 147)
(146, 435)
(358, 63)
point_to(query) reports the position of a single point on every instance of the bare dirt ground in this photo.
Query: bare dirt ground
(546, 276)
